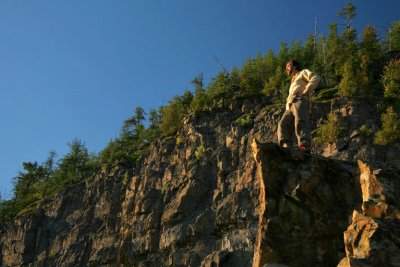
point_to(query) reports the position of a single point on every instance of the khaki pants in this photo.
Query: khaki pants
(298, 118)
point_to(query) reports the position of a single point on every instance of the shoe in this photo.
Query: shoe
(304, 149)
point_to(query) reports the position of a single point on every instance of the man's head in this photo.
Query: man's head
(292, 67)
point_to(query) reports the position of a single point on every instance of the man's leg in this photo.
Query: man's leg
(300, 109)
(285, 129)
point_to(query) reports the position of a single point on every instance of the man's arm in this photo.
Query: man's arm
(313, 81)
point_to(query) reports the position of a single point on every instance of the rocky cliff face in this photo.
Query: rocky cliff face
(208, 197)
(307, 203)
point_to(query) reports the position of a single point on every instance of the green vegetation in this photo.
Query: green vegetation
(40, 181)
(179, 140)
(199, 151)
(245, 120)
(392, 40)
(329, 131)
(174, 112)
(391, 80)
(348, 66)
(125, 179)
(325, 94)
(366, 130)
(390, 132)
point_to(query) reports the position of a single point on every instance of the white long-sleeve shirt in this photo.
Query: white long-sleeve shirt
(303, 84)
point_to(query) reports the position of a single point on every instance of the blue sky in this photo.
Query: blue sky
(76, 69)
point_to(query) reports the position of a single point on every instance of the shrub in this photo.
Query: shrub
(329, 131)
(245, 120)
(179, 140)
(125, 179)
(365, 130)
(199, 151)
(173, 114)
(390, 132)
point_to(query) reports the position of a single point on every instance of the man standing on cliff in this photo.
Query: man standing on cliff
(297, 107)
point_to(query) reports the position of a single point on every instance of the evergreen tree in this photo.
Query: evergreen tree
(133, 127)
(392, 39)
(224, 88)
(309, 53)
(391, 80)
(24, 185)
(253, 75)
(153, 131)
(277, 84)
(390, 132)
(329, 131)
(77, 165)
(270, 63)
(200, 100)
(350, 83)
(370, 56)
(334, 55)
(127, 147)
(283, 55)
(344, 48)
(348, 13)
(295, 52)
(186, 99)
(198, 83)
(321, 60)
(49, 166)
(114, 152)
(173, 114)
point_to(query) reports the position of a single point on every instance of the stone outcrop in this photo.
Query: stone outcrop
(194, 200)
(305, 203)
(373, 237)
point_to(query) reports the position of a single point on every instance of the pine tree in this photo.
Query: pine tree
(309, 52)
(390, 132)
(283, 55)
(49, 166)
(252, 76)
(392, 39)
(224, 87)
(370, 57)
(348, 13)
(391, 80)
(295, 52)
(133, 127)
(321, 60)
(349, 66)
(350, 83)
(76, 165)
(277, 84)
(24, 190)
(173, 114)
(334, 55)
(200, 99)
(347, 45)
(153, 131)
